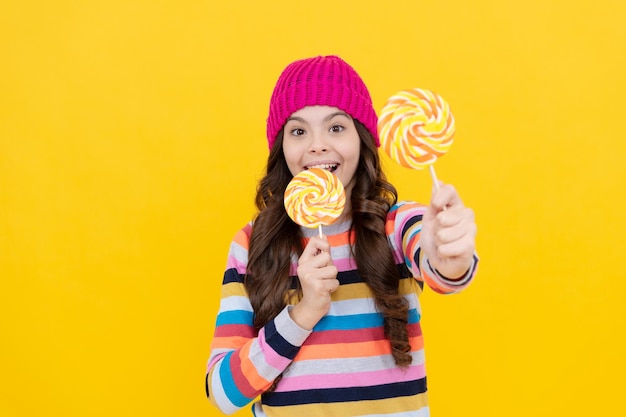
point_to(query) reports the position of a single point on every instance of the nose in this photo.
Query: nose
(318, 143)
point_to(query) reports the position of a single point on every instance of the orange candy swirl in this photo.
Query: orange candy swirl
(416, 127)
(315, 197)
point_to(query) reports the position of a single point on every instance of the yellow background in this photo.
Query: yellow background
(132, 135)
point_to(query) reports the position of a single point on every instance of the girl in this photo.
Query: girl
(331, 326)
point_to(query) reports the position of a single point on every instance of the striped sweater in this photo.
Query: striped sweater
(344, 366)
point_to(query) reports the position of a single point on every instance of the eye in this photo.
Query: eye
(337, 128)
(297, 132)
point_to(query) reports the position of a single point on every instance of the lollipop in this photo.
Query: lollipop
(415, 128)
(315, 197)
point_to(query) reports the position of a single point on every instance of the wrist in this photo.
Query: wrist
(448, 276)
(302, 318)
(454, 273)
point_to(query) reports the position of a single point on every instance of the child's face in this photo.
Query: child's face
(323, 137)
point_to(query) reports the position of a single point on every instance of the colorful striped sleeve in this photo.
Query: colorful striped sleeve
(404, 227)
(243, 363)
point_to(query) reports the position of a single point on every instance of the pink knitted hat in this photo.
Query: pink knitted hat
(325, 81)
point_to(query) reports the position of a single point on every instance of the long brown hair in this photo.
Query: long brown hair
(276, 238)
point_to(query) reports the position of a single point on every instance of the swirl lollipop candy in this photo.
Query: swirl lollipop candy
(315, 197)
(416, 127)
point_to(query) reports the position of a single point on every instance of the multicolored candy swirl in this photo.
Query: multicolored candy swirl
(315, 197)
(416, 127)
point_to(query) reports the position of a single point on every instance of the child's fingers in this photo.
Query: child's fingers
(445, 197)
(452, 224)
(313, 249)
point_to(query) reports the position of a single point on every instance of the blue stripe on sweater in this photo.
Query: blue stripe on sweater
(358, 321)
(228, 383)
(234, 317)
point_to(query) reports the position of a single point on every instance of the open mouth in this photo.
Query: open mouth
(327, 167)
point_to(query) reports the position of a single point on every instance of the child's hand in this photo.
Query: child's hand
(318, 278)
(448, 234)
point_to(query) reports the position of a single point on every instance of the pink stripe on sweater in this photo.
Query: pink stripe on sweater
(271, 357)
(360, 379)
(234, 263)
(345, 264)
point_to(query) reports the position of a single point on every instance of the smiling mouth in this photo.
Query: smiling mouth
(327, 167)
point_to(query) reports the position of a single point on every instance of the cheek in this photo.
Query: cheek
(293, 162)
(350, 164)
(352, 155)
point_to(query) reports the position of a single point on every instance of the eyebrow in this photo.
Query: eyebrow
(327, 118)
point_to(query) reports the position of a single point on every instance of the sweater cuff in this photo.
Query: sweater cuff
(447, 284)
(288, 328)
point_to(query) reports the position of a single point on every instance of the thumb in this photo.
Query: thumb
(438, 200)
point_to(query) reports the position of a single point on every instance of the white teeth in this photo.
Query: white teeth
(328, 167)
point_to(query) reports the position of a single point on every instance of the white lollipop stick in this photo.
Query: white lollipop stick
(431, 168)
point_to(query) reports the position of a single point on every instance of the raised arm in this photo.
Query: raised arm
(411, 234)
